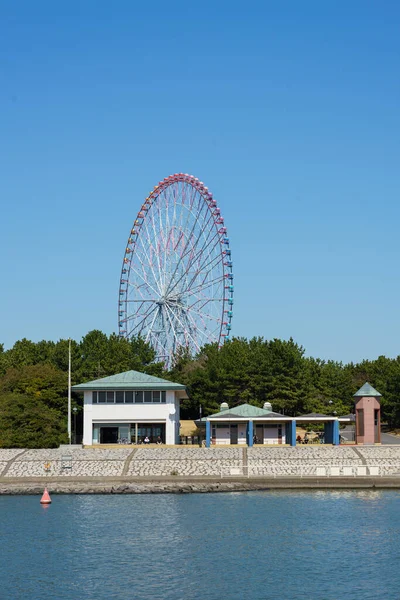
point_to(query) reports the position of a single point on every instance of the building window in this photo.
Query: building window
(119, 398)
(129, 397)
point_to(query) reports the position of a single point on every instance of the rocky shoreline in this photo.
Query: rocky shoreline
(191, 486)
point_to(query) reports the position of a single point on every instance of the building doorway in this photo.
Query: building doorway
(377, 426)
(259, 439)
(234, 434)
(108, 435)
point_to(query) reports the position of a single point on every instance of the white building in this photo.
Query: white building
(129, 407)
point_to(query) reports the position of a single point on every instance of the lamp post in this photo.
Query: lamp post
(75, 410)
(69, 391)
(199, 428)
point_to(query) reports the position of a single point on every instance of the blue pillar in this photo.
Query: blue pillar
(328, 432)
(288, 431)
(293, 433)
(208, 434)
(250, 434)
(335, 433)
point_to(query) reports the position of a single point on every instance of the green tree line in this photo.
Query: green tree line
(33, 380)
(277, 371)
(34, 383)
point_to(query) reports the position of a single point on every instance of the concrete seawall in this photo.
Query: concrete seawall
(135, 470)
(178, 485)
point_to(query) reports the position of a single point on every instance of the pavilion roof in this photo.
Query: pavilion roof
(244, 411)
(314, 415)
(129, 380)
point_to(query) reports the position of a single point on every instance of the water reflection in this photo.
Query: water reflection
(240, 545)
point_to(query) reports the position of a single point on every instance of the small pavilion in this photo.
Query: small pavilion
(330, 422)
(248, 424)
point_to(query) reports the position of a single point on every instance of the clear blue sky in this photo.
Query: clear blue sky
(288, 111)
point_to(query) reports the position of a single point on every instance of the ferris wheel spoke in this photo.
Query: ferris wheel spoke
(164, 236)
(143, 300)
(186, 195)
(142, 317)
(147, 272)
(183, 329)
(207, 244)
(199, 330)
(157, 253)
(162, 239)
(151, 326)
(203, 286)
(205, 302)
(138, 311)
(145, 281)
(208, 247)
(184, 250)
(141, 322)
(148, 259)
(172, 328)
(199, 253)
(138, 295)
(204, 314)
(190, 248)
(202, 282)
(203, 266)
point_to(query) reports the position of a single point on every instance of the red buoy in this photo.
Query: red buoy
(45, 499)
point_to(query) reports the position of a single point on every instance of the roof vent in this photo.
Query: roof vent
(224, 406)
(267, 406)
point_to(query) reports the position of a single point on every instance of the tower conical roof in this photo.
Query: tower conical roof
(367, 390)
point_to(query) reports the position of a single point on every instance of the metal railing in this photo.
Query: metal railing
(303, 471)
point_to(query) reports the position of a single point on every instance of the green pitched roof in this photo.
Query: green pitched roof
(129, 380)
(243, 411)
(315, 415)
(367, 390)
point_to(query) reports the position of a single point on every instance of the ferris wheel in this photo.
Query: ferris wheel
(176, 287)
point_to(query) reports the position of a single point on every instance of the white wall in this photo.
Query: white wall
(271, 435)
(223, 435)
(167, 413)
(242, 428)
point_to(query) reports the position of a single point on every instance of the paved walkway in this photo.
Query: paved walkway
(387, 438)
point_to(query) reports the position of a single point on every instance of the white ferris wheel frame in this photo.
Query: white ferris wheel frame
(176, 285)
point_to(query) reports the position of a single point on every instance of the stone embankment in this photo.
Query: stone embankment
(193, 469)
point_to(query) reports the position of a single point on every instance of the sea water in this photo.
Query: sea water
(319, 545)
